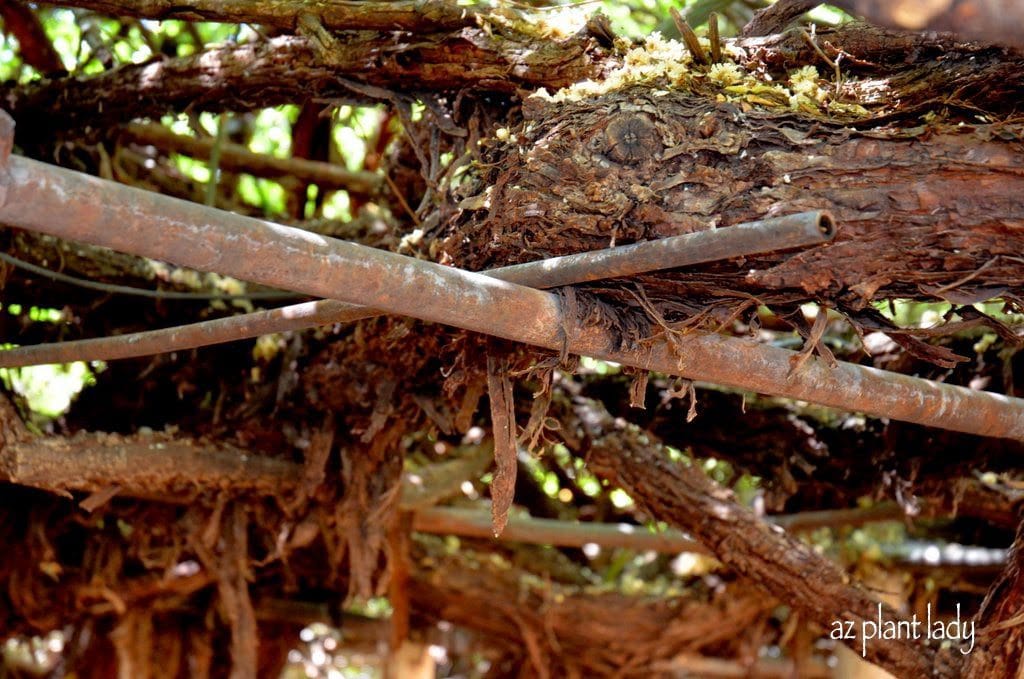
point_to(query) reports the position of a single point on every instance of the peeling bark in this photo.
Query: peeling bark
(684, 497)
(1000, 648)
(926, 188)
(289, 68)
(927, 213)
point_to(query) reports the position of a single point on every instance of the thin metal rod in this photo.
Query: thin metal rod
(75, 206)
(191, 336)
(112, 289)
(780, 233)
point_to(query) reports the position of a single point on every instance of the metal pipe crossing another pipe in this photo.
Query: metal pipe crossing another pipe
(79, 207)
(779, 233)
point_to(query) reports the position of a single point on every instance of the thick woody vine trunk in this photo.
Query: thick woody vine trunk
(928, 204)
(912, 142)
(783, 566)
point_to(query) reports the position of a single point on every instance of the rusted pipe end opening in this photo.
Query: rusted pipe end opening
(826, 225)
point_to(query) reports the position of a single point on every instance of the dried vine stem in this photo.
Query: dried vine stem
(285, 69)
(417, 16)
(686, 498)
(238, 158)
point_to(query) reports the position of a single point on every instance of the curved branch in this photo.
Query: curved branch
(400, 15)
(287, 69)
(238, 158)
(995, 21)
(783, 566)
(290, 68)
(33, 44)
(775, 17)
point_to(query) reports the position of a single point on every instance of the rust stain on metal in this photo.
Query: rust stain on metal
(781, 233)
(143, 223)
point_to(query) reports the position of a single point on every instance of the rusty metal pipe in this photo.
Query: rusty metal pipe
(190, 336)
(767, 235)
(75, 206)
(780, 233)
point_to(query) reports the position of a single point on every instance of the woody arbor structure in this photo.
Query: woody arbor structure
(579, 301)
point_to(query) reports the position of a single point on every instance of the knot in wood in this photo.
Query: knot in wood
(631, 138)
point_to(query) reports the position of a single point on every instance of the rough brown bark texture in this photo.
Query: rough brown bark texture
(403, 15)
(290, 68)
(914, 143)
(33, 44)
(783, 566)
(925, 193)
(1000, 651)
(566, 633)
(927, 212)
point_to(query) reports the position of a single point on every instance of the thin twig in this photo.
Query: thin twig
(238, 158)
(113, 289)
(689, 37)
(966, 279)
(715, 38)
(833, 64)
(401, 200)
(213, 165)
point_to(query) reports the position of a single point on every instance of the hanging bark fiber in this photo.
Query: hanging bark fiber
(925, 184)
(80, 207)
(911, 141)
